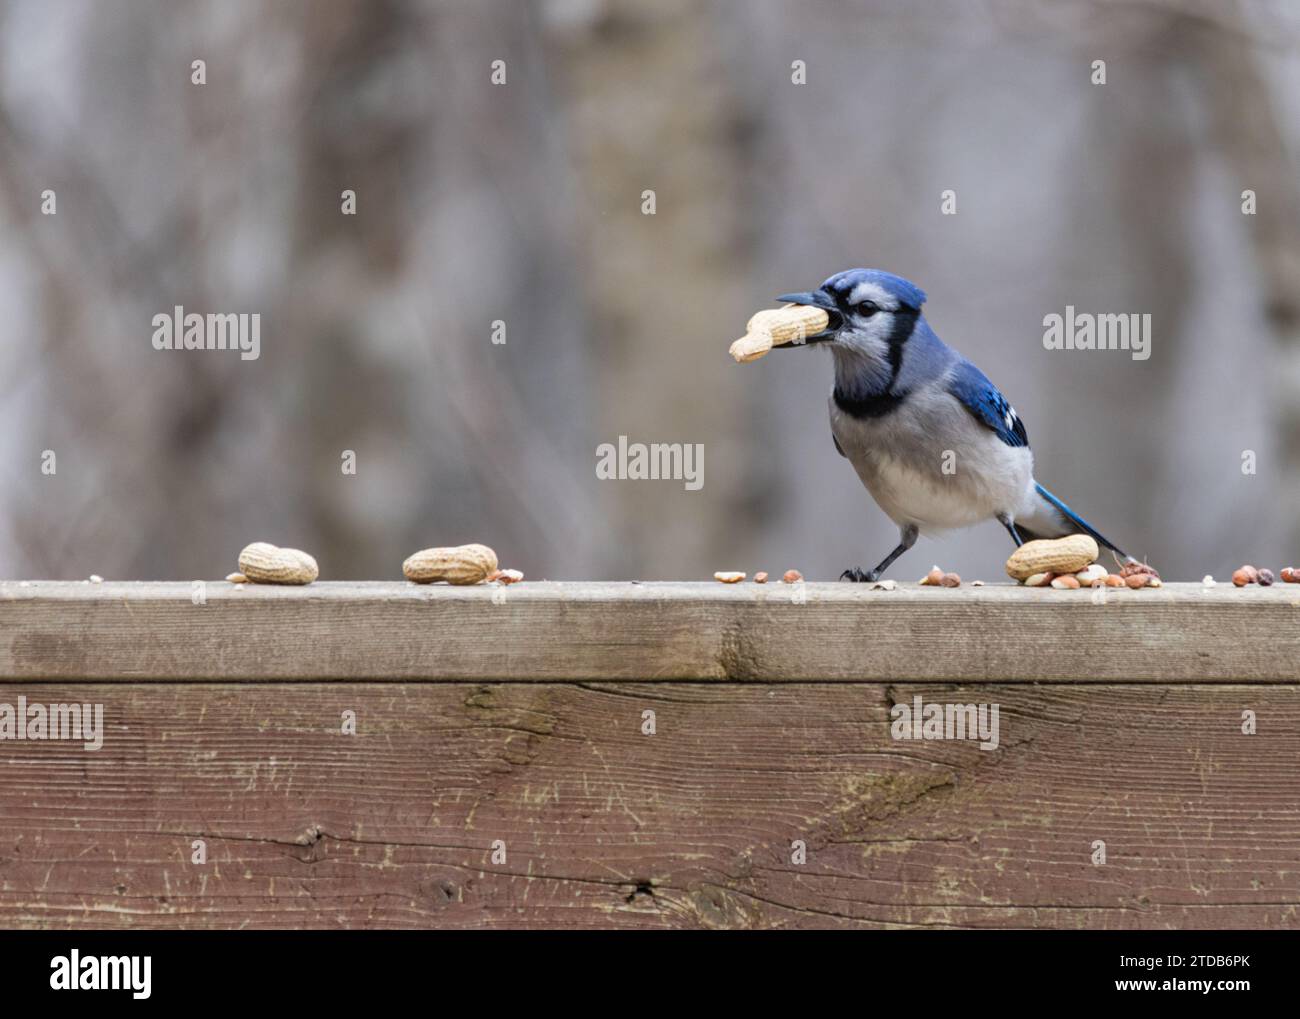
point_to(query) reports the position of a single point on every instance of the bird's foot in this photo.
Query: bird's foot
(856, 576)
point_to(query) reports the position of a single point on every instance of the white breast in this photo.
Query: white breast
(930, 463)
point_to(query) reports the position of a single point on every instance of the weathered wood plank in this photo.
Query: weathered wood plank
(691, 826)
(634, 632)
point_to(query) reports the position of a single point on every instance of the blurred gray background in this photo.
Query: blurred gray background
(522, 203)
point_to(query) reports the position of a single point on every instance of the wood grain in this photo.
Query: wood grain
(646, 632)
(690, 827)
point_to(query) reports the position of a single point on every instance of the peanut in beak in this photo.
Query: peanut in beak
(775, 327)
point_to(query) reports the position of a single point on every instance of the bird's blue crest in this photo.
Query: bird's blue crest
(904, 291)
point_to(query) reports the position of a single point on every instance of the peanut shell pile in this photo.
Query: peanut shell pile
(1070, 563)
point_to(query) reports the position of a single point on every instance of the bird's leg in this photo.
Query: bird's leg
(1010, 525)
(907, 538)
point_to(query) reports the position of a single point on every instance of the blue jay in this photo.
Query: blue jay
(932, 439)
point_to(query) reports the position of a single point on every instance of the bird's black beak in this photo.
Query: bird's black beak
(818, 299)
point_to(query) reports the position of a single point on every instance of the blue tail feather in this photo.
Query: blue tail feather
(1079, 522)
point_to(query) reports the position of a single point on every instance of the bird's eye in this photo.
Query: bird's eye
(868, 308)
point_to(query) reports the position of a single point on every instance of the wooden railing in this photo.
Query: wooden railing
(582, 754)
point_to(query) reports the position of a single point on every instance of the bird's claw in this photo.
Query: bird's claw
(856, 576)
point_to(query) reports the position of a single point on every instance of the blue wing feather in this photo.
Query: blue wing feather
(988, 406)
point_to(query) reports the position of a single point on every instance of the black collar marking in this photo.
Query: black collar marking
(878, 404)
